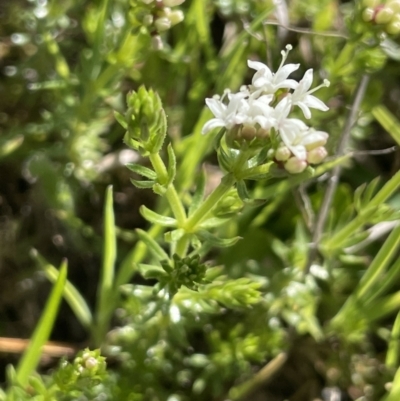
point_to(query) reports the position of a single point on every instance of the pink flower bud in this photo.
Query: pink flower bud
(316, 155)
(384, 15)
(295, 165)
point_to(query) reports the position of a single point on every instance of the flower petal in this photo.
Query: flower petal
(210, 125)
(285, 71)
(216, 107)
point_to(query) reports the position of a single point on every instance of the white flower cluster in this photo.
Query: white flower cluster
(264, 107)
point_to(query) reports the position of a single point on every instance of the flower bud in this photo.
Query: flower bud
(394, 5)
(145, 120)
(393, 28)
(262, 133)
(176, 17)
(282, 154)
(368, 14)
(315, 139)
(162, 24)
(384, 15)
(148, 20)
(248, 132)
(295, 165)
(316, 155)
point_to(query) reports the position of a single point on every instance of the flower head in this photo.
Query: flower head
(225, 114)
(250, 115)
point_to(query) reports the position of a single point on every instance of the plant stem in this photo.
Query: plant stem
(182, 246)
(208, 205)
(171, 194)
(335, 175)
(264, 375)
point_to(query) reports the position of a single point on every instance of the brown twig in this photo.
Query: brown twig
(51, 348)
(335, 174)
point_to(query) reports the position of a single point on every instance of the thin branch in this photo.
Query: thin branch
(306, 30)
(335, 174)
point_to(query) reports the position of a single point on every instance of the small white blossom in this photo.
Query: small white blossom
(254, 111)
(290, 129)
(225, 115)
(267, 82)
(302, 95)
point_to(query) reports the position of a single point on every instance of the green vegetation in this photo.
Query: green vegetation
(241, 246)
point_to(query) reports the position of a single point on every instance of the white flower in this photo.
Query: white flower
(302, 96)
(225, 115)
(254, 111)
(265, 81)
(290, 129)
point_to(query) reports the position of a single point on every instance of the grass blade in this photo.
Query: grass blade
(31, 357)
(105, 288)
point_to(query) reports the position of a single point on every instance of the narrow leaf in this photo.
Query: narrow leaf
(70, 293)
(121, 119)
(142, 184)
(152, 245)
(213, 222)
(216, 241)
(141, 170)
(388, 121)
(156, 218)
(380, 262)
(393, 352)
(31, 356)
(105, 287)
(171, 164)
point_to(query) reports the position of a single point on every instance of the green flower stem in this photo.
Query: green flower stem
(208, 205)
(225, 185)
(182, 246)
(171, 194)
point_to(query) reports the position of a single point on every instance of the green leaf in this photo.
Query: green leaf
(175, 235)
(337, 240)
(151, 271)
(141, 170)
(70, 293)
(224, 160)
(105, 287)
(152, 245)
(31, 356)
(171, 164)
(380, 262)
(394, 394)
(159, 189)
(393, 352)
(217, 138)
(156, 218)
(388, 121)
(121, 119)
(142, 184)
(257, 173)
(213, 222)
(216, 241)
(242, 191)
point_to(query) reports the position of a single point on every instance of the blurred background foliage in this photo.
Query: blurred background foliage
(65, 67)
